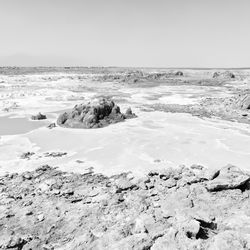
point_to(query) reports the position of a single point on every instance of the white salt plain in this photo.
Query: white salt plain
(153, 140)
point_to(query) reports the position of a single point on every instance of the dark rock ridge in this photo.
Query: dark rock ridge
(96, 114)
(225, 75)
(181, 208)
(39, 116)
(135, 76)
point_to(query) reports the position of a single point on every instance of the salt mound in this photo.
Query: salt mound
(96, 114)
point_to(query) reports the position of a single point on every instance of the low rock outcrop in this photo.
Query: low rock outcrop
(179, 73)
(242, 100)
(224, 75)
(96, 114)
(173, 208)
(39, 116)
(233, 108)
(139, 76)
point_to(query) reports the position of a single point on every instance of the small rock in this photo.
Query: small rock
(169, 183)
(52, 125)
(123, 184)
(39, 116)
(29, 212)
(40, 217)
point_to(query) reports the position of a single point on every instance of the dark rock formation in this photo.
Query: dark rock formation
(55, 154)
(138, 76)
(39, 116)
(225, 75)
(51, 209)
(94, 115)
(52, 125)
(27, 155)
(179, 73)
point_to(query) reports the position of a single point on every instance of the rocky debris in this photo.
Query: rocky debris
(27, 155)
(224, 75)
(242, 100)
(96, 114)
(52, 125)
(39, 116)
(51, 209)
(55, 154)
(229, 239)
(11, 107)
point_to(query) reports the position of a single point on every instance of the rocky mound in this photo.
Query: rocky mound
(96, 114)
(179, 73)
(182, 208)
(224, 75)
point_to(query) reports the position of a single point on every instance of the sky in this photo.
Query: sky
(129, 33)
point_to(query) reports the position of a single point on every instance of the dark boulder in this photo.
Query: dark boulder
(179, 73)
(94, 114)
(39, 116)
(52, 125)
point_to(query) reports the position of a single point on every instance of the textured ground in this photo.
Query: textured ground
(122, 186)
(182, 208)
(234, 108)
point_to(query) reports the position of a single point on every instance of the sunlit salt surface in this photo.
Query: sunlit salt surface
(153, 140)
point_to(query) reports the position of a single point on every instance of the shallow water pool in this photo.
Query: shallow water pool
(20, 125)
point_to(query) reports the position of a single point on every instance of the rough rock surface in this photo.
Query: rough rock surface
(139, 76)
(94, 114)
(167, 209)
(236, 107)
(52, 125)
(224, 75)
(242, 100)
(39, 116)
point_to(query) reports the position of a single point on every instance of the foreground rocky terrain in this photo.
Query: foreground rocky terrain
(182, 208)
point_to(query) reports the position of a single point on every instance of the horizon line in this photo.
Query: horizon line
(129, 67)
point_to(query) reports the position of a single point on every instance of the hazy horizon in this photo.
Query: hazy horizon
(131, 33)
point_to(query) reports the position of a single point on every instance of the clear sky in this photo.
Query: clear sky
(146, 33)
